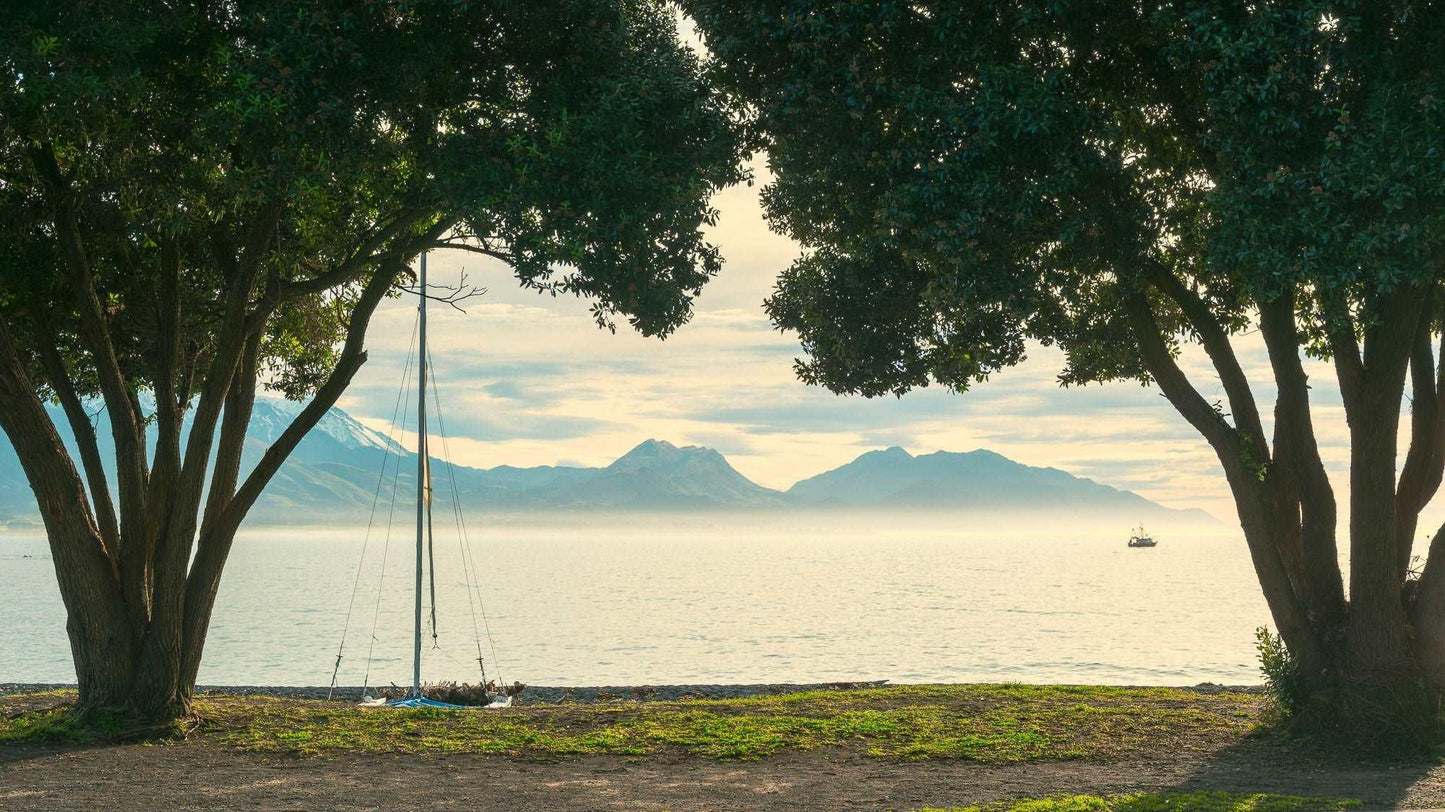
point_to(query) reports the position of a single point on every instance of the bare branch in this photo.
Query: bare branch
(454, 294)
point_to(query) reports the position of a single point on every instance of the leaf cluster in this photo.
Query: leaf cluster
(304, 145)
(967, 176)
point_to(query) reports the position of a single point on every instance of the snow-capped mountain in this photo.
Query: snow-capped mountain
(272, 415)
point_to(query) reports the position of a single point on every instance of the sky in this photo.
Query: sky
(527, 379)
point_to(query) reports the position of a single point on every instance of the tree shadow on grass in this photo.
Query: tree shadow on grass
(1274, 762)
(41, 726)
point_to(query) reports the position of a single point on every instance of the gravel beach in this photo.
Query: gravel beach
(581, 695)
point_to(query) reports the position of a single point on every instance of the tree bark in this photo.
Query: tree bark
(1298, 464)
(1429, 613)
(1421, 475)
(1381, 652)
(102, 641)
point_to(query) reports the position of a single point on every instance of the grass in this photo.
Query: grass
(1168, 802)
(982, 723)
(39, 726)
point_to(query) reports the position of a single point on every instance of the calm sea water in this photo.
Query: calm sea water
(698, 600)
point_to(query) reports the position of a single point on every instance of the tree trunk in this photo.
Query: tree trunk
(1429, 615)
(137, 579)
(129, 686)
(1381, 652)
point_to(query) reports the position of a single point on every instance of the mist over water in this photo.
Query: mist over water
(680, 599)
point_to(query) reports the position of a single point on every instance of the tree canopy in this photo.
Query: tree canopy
(1117, 181)
(198, 197)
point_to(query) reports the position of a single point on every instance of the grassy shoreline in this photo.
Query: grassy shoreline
(949, 727)
(991, 724)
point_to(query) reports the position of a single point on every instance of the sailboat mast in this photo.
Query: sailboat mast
(421, 468)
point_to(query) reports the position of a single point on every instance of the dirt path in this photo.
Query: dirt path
(190, 776)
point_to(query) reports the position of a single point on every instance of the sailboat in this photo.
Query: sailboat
(425, 548)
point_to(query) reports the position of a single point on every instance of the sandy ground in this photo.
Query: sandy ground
(191, 776)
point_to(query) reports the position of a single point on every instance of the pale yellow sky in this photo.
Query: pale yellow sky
(530, 380)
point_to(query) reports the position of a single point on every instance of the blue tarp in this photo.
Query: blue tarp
(423, 702)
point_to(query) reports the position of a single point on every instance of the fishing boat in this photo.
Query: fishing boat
(425, 564)
(1141, 538)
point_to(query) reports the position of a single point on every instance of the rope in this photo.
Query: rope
(469, 567)
(386, 546)
(371, 518)
(431, 555)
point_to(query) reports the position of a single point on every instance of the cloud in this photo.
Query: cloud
(474, 425)
(529, 379)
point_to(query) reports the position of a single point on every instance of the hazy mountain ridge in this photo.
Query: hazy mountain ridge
(973, 480)
(332, 476)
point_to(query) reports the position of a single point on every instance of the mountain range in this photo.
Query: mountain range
(333, 476)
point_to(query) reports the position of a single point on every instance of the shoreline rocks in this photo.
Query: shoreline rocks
(581, 695)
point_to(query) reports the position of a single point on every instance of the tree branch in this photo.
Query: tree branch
(89, 582)
(1297, 458)
(124, 417)
(179, 528)
(1425, 460)
(1344, 346)
(169, 408)
(1170, 378)
(351, 358)
(353, 266)
(85, 441)
(1221, 353)
(219, 530)
(236, 418)
(1257, 513)
(366, 256)
(473, 249)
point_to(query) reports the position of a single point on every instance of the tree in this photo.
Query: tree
(1117, 181)
(199, 198)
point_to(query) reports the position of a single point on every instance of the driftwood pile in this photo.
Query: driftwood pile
(458, 693)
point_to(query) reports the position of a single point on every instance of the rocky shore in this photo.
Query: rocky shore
(582, 695)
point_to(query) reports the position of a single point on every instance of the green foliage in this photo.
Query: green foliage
(1162, 802)
(1344, 717)
(966, 176)
(1287, 692)
(578, 141)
